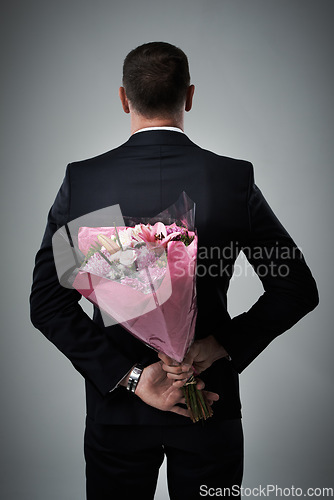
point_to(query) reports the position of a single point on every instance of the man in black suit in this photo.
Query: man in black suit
(128, 432)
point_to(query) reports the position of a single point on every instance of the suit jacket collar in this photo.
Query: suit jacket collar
(159, 137)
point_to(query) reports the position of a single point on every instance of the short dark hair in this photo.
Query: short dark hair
(156, 78)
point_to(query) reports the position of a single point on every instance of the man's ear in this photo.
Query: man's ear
(189, 97)
(124, 100)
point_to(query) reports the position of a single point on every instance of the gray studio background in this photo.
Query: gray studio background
(263, 76)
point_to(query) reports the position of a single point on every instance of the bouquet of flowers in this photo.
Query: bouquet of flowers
(143, 275)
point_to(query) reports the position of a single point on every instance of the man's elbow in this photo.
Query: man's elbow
(310, 295)
(40, 308)
(35, 313)
(314, 297)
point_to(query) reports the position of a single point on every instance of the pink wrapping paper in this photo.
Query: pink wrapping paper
(164, 319)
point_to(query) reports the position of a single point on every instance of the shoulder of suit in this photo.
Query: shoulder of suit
(95, 160)
(217, 160)
(224, 160)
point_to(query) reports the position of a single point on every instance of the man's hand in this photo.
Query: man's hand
(159, 391)
(200, 356)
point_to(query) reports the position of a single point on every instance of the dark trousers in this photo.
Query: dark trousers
(122, 462)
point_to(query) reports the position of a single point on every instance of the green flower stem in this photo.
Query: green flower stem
(105, 258)
(117, 238)
(196, 402)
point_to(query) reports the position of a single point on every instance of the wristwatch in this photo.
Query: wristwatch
(134, 377)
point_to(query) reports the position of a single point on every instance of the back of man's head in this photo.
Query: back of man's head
(156, 78)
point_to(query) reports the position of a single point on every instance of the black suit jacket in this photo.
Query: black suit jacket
(144, 176)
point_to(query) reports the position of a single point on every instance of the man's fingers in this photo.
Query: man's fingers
(200, 384)
(179, 383)
(189, 359)
(167, 360)
(211, 396)
(172, 366)
(172, 369)
(181, 376)
(183, 370)
(180, 411)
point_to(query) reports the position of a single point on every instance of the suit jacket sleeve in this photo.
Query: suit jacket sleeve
(56, 313)
(290, 291)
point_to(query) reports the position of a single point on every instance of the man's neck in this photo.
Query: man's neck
(138, 122)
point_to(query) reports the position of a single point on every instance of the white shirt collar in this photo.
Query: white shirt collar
(171, 129)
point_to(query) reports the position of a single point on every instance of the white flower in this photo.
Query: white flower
(125, 236)
(127, 257)
(115, 256)
(135, 233)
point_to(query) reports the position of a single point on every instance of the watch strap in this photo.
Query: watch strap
(134, 377)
